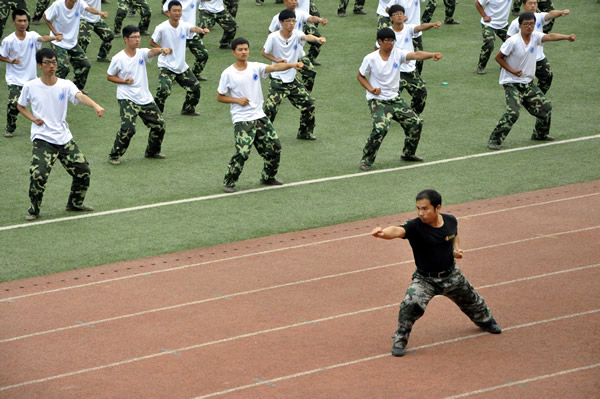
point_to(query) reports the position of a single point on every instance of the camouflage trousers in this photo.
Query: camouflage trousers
(73, 57)
(430, 9)
(231, 6)
(152, 118)
(225, 20)
(383, 22)
(123, 7)
(308, 73)
(516, 7)
(418, 45)
(382, 113)
(262, 135)
(43, 156)
(488, 43)
(358, 5)
(102, 30)
(543, 73)
(198, 50)
(534, 102)
(415, 86)
(187, 80)
(299, 97)
(546, 6)
(314, 49)
(422, 289)
(12, 112)
(6, 9)
(40, 7)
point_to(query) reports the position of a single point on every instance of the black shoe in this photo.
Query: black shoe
(451, 22)
(201, 78)
(144, 33)
(341, 14)
(190, 113)
(229, 189)
(271, 182)
(545, 138)
(82, 208)
(494, 146)
(398, 351)
(411, 158)
(309, 138)
(154, 156)
(103, 59)
(491, 326)
(225, 46)
(316, 63)
(31, 216)
(364, 167)
(359, 12)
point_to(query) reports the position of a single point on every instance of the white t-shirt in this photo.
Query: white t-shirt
(88, 16)
(288, 49)
(212, 6)
(304, 5)
(188, 8)
(66, 21)
(124, 66)
(175, 38)
(246, 84)
(514, 29)
(49, 103)
(383, 74)
(301, 19)
(24, 50)
(498, 11)
(404, 42)
(381, 6)
(412, 10)
(520, 56)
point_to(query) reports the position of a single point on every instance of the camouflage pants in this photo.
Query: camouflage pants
(430, 9)
(199, 52)
(418, 45)
(73, 57)
(358, 5)
(534, 102)
(6, 9)
(231, 6)
(102, 30)
(12, 112)
(308, 73)
(415, 86)
(314, 49)
(123, 7)
(261, 134)
(299, 97)
(382, 113)
(422, 289)
(544, 74)
(40, 7)
(152, 118)
(383, 22)
(516, 7)
(488, 43)
(546, 6)
(225, 20)
(43, 157)
(186, 80)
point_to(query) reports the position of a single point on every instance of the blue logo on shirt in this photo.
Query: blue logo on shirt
(299, 25)
(255, 76)
(31, 45)
(295, 47)
(141, 62)
(539, 25)
(531, 50)
(183, 36)
(406, 40)
(61, 96)
(76, 14)
(192, 6)
(416, 2)
(396, 65)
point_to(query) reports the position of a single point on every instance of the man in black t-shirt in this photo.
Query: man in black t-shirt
(433, 237)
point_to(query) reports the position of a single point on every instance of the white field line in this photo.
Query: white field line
(232, 258)
(525, 381)
(295, 184)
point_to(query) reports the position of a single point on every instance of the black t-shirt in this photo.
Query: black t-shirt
(432, 246)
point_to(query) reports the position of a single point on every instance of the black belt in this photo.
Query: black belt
(441, 274)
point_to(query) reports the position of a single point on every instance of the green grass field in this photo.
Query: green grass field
(458, 120)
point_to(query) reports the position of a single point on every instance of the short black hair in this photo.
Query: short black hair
(433, 196)
(395, 8)
(19, 11)
(526, 16)
(386, 33)
(238, 41)
(129, 29)
(287, 14)
(44, 53)
(174, 3)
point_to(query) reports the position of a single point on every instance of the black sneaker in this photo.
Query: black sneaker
(359, 12)
(271, 182)
(229, 189)
(190, 113)
(398, 349)
(545, 138)
(411, 158)
(491, 326)
(154, 156)
(81, 208)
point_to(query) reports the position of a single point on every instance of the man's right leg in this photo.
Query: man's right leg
(43, 156)
(486, 49)
(62, 60)
(277, 93)
(198, 49)
(12, 112)
(382, 114)
(268, 147)
(153, 119)
(165, 82)
(120, 14)
(513, 103)
(428, 11)
(244, 133)
(129, 114)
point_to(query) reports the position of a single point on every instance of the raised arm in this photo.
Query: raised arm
(423, 55)
(554, 37)
(424, 27)
(389, 233)
(314, 39)
(556, 14)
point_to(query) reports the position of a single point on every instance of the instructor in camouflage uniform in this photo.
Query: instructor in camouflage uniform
(433, 237)
(6, 9)
(517, 57)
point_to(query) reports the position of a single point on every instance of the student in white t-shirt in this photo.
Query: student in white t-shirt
(379, 74)
(213, 11)
(517, 57)
(18, 51)
(174, 34)
(90, 22)
(240, 86)
(285, 45)
(543, 71)
(50, 134)
(494, 21)
(128, 70)
(412, 10)
(63, 18)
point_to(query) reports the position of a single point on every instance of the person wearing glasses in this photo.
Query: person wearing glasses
(517, 57)
(50, 134)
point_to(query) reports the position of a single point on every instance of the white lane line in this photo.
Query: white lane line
(527, 380)
(232, 258)
(299, 183)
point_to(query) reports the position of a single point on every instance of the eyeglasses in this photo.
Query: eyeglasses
(47, 62)
(389, 40)
(289, 21)
(134, 37)
(528, 24)
(397, 14)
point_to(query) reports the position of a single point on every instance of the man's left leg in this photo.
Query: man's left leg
(12, 112)
(301, 99)
(544, 74)
(226, 21)
(106, 35)
(416, 88)
(153, 119)
(536, 103)
(188, 81)
(268, 147)
(77, 166)
(81, 66)
(412, 125)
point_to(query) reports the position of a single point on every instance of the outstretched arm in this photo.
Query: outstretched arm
(423, 55)
(554, 37)
(85, 100)
(556, 14)
(314, 39)
(389, 233)
(283, 66)
(424, 27)
(95, 11)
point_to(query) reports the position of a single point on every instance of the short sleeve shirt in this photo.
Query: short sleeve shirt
(246, 84)
(66, 21)
(175, 38)
(50, 104)
(540, 22)
(124, 67)
(301, 20)
(88, 16)
(520, 56)
(12, 47)
(432, 247)
(383, 74)
(498, 11)
(189, 10)
(212, 6)
(288, 49)
(412, 10)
